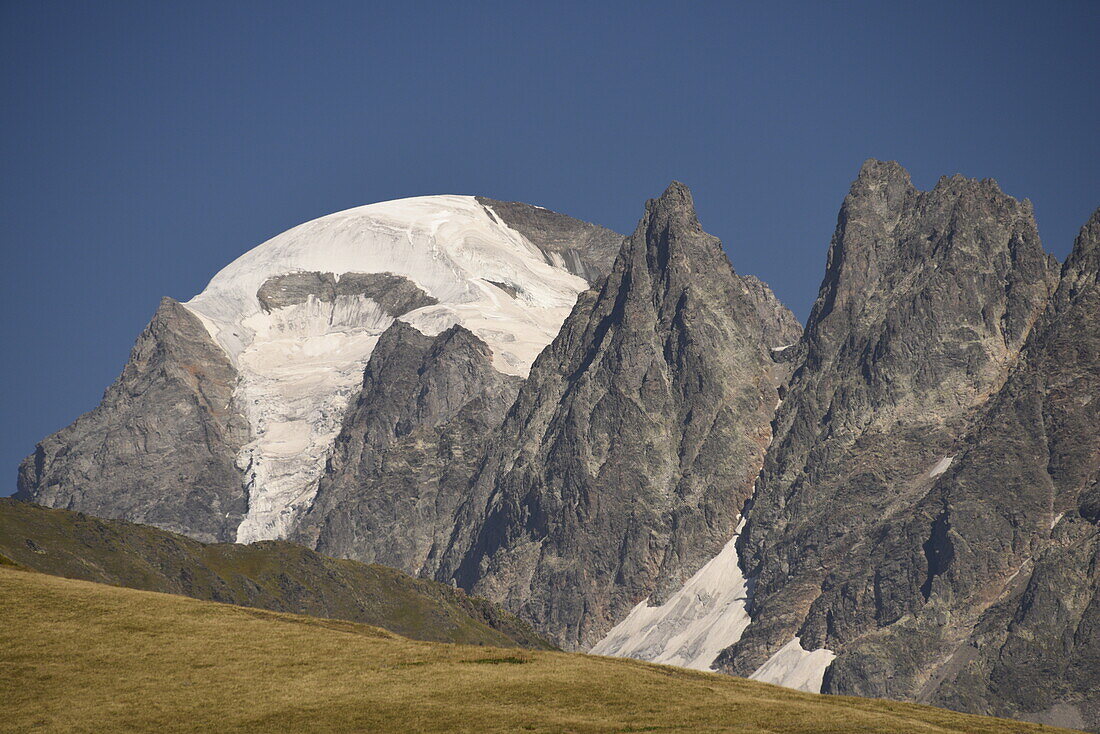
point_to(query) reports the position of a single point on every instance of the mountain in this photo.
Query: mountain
(223, 421)
(634, 443)
(1016, 563)
(927, 300)
(272, 575)
(78, 655)
(924, 525)
(639, 450)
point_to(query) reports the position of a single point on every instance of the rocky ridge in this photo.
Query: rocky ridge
(928, 446)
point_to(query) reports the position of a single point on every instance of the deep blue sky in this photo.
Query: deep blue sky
(145, 145)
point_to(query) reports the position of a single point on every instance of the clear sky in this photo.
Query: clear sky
(144, 145)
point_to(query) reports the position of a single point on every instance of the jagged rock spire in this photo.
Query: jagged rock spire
(626, 460)
(927, 302)
(407, 448)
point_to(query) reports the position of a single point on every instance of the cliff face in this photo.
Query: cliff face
(160, 448)
(1029, 496)
(626, 459)
(584, 249)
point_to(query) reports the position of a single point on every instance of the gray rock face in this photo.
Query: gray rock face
(1032, 535)
(408, 447)
(394, 293)
(938, 334)
(584, 249)
(781, 327)
(625, 462)
(160, 447)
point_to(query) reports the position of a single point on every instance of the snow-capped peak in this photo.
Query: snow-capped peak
(302, 360)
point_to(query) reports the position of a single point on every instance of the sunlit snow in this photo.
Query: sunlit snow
(700, 620)
(300, 365)
(793, 667)
(941, 466)
(707, 615)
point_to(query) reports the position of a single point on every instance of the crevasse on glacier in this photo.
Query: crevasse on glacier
(300, 364)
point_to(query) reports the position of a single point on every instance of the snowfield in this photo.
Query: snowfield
(705, 616)
(300, 365)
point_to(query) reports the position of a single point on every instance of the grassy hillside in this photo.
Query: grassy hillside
(272, 575)
(78, 656)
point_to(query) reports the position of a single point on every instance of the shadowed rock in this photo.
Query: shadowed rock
(408, 447)
(396, 294)
(584, 249)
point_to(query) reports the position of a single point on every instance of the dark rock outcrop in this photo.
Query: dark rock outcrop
(626, 460)
(1029, 532)
(160, 448)
(584, 249)
(408, 447)
(781, 327)
(395, 294)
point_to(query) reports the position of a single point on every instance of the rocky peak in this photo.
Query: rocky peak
(1082, 267)
(672, 236)
(408, 447)
(1002, 543)
(623, 466)
(964, 251)
(161, 446)
(926, 303)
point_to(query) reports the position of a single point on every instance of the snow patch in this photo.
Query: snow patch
(793, 667)
(707, 615)
(300, 365)
(941, 466)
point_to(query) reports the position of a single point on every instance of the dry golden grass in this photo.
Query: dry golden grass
(79, 656)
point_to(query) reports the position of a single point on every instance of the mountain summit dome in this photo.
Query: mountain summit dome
(299, 315)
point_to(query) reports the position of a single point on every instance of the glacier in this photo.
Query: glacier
(300, 365)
